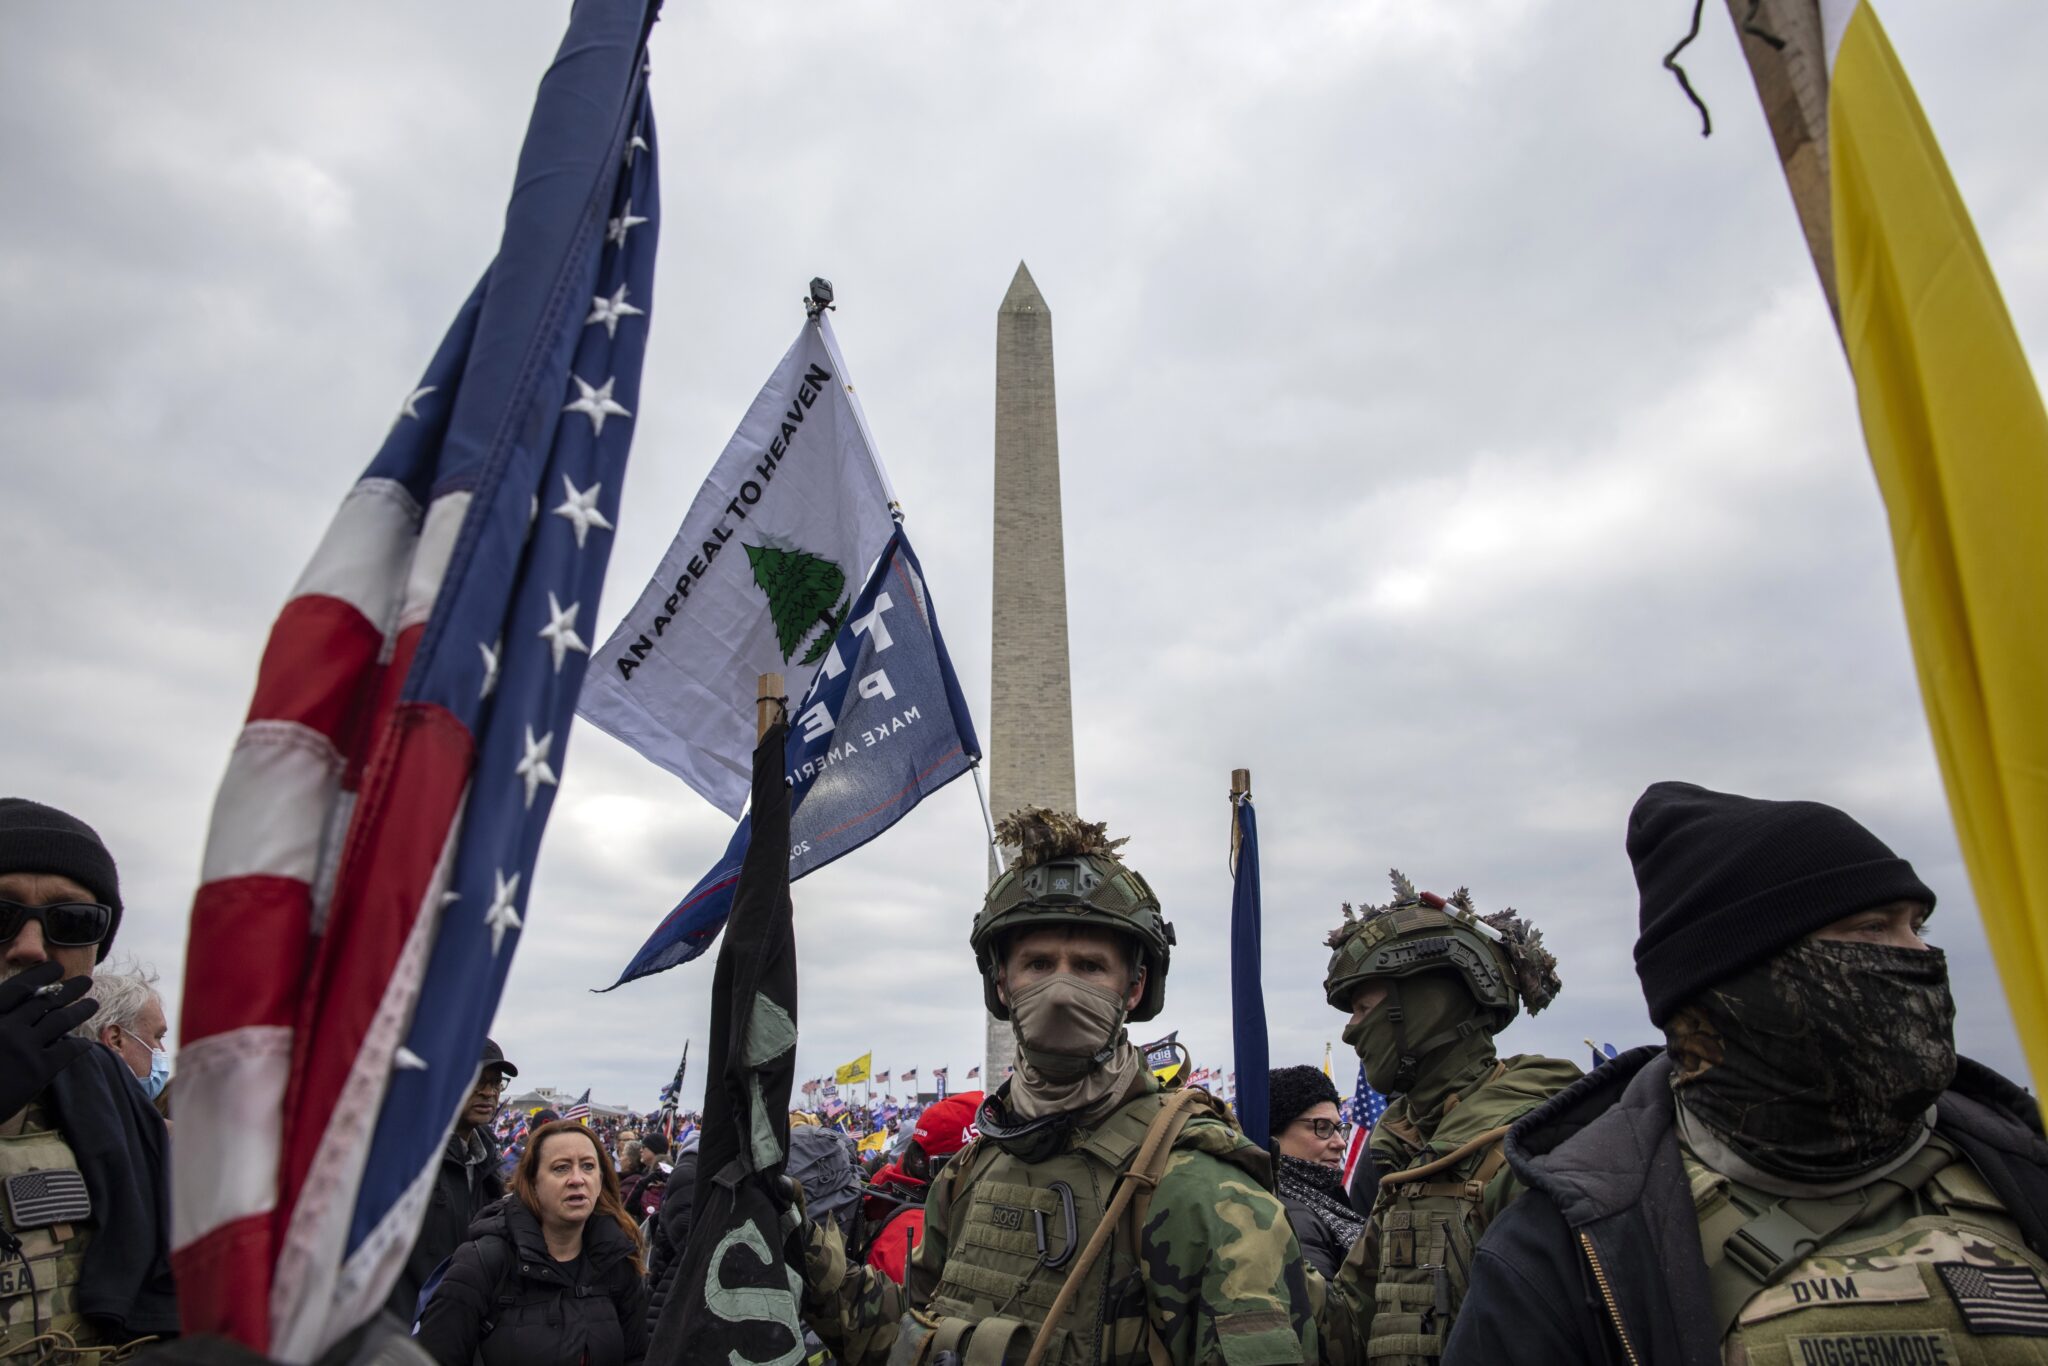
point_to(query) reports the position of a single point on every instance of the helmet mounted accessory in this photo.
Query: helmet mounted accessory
(1064, 873)
(1499, 958)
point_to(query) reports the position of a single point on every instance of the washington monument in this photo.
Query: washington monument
(1031, 754)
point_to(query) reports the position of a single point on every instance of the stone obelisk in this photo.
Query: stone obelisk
(1031, 750)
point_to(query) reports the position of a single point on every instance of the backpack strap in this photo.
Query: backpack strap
(1143, 1173)
(501, 1266)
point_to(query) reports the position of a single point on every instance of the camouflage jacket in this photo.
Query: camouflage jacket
(1217, 1274)
(1410, 1216)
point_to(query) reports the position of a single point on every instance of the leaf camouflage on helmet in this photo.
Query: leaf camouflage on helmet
(1500, 957)
(1066, 873)
(1040, 834)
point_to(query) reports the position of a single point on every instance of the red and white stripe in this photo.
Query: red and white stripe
(290, 932)
(1361, 1134)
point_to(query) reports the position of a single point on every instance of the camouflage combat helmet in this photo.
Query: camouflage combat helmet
(1066, 872)
(1500, 957)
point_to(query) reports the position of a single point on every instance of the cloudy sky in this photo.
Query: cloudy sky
(1449, 434)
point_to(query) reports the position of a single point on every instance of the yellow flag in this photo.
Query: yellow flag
(874, 1142)
(1960, 444)
(857, 1070)
(1326, 1060)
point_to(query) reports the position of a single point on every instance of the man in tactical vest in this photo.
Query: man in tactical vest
(84, 1235)
(1805, 1172)
(1428, 982)
(1098, 1219)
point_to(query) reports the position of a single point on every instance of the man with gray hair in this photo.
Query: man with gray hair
(131, 1022)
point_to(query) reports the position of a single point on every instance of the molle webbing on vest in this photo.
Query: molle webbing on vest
(1016, 1229)
(1750, 1239)
(39, 1287)
(1428, 1230)
(1144, 1172)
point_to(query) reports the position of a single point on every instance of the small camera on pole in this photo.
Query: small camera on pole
(821, 297)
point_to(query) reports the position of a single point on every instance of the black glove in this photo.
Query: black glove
(35, 1032)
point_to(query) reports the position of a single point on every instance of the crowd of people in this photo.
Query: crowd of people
(1805, 1171)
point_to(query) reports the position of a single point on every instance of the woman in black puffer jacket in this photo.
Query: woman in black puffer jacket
(551, 1274)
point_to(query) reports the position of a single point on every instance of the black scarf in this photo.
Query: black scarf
(1321, 1190)
(119, 1142)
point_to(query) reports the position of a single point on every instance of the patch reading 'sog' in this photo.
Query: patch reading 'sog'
(1006, 1216)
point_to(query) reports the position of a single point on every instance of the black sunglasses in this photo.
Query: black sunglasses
(67, 924)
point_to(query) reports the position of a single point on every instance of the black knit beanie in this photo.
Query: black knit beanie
(1292, 1091)
(1727, 881)
(41, 839)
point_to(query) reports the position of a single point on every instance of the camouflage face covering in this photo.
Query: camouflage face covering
(1820, 1062)
(1433, 1005)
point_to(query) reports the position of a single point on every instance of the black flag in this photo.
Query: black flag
(737, 1291)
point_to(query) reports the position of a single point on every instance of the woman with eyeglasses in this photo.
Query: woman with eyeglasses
(552, 1273)
(1308, 1159)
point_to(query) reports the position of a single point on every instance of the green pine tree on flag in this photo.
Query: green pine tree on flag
(801, 589)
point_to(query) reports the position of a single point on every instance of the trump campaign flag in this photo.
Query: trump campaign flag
(883, 726)
(362, 890)
(758, 579)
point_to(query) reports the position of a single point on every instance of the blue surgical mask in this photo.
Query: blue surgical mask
(159, 1067)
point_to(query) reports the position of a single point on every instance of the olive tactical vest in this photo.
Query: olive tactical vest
(1921, 1268)
(42, 1283)
(1015, 1230)
(1433, 1205)
(1427, 1228)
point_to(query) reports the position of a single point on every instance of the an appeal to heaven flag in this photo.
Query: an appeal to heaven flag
(883, 726)
(758, 579)
(735, 1297)
(1958, 439)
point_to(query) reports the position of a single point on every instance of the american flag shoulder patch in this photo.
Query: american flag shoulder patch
(2006, 1300)
(53, 1196)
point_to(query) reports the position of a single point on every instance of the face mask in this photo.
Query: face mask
(1820, 1062)
(159, 1067)
(1433, 1006)
(1065, 1027)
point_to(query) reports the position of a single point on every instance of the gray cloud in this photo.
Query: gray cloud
(1449, 434)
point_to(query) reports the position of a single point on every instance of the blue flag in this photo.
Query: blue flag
(1247, 995)
(883, 726)
(1602, 1052)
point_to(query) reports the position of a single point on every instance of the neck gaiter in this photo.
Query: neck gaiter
(1440, 1024)
(1072, 1055)
(1821, 1062)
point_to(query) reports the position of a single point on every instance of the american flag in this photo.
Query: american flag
(1998, 1299)
(581, 1109)
(974, 1072)
(881, 1076)
(38, 1199)
(374, 838)
(1361, 1112)
(910, 1074)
